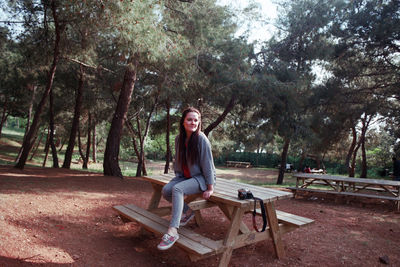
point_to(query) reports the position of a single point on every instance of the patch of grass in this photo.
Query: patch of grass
(6, 162)
(13, 134)
(286, 183)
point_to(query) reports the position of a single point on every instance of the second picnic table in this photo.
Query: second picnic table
(225, 197)
(348, 186)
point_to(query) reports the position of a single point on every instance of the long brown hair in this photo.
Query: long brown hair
(191, 153)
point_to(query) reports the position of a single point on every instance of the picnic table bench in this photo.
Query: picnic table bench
(225, 198)
(348, 186)
(238, 164)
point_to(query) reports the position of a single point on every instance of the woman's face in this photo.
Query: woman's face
(191, 122)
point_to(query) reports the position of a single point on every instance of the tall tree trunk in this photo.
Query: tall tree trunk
(140, 157)
(37, 145)
(75, 121)
(363, 159)
(141, 168)
(365, 124)
(318, 161)
(27, 144)
(86, 161)
(46, 147)
(110, 164)
(302, 157)
(62, 144)
(4, 116)
(221, 117)
(354, 158)
(168, 148)
(94, 146)
(351, 151)
(51, 138)
(282, 168)
(134, 136)
(28, 123)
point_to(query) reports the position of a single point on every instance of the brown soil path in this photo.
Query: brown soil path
(57, 217)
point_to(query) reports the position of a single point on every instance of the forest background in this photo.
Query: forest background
(107, 80)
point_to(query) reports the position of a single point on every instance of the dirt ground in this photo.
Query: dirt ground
(58, 217)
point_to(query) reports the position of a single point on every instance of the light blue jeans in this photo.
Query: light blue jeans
(175, 191)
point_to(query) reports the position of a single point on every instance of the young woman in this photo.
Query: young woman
(194, 173)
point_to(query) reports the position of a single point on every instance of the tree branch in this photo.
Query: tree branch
(99, 67)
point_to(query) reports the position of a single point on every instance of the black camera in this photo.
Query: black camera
(245, 194)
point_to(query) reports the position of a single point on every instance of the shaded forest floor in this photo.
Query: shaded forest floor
(58, 217)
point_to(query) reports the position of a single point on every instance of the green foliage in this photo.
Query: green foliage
(189, 55)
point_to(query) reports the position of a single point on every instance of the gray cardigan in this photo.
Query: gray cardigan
(203, 170)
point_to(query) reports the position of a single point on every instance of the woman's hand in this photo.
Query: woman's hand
(210, 190)
(207, 194)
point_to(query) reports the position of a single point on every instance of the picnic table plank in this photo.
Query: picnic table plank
(160, 225)
(188, 237)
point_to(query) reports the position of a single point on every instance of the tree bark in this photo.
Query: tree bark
(168, 149)
(302, 157)
(51, 138)
(221, 117)
(37, 146)
(46, 147)
(283, 160)
(62, 144)
(318, 161)
(28, 123)
(110, 164)
(27, 144)
(351, 151)
(353, 161)
(141, 169)
(86, 161)
(75, 121)
(94, 146)
(365, 124)
(4, 116)
(134, 136)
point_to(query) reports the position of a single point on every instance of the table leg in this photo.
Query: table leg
(228, 211)
(156, 197)
(155, 200)
(230, 237)
(297, 186)
(274, 230)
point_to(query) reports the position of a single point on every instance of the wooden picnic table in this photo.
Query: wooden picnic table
(238, 164)
(225, 197)
(349, 186)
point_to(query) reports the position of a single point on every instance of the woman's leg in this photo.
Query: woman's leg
(168, 188)
(174, 192)
(179, 190)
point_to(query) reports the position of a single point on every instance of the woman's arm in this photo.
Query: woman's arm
(207, 165)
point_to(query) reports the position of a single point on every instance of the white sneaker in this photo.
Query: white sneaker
(167, 241)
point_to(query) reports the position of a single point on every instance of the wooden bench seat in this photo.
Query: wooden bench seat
(344, 193)
(290, 219)
(195, 244)
(283, 217)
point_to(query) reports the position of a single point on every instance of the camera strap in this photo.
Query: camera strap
(262, 214)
